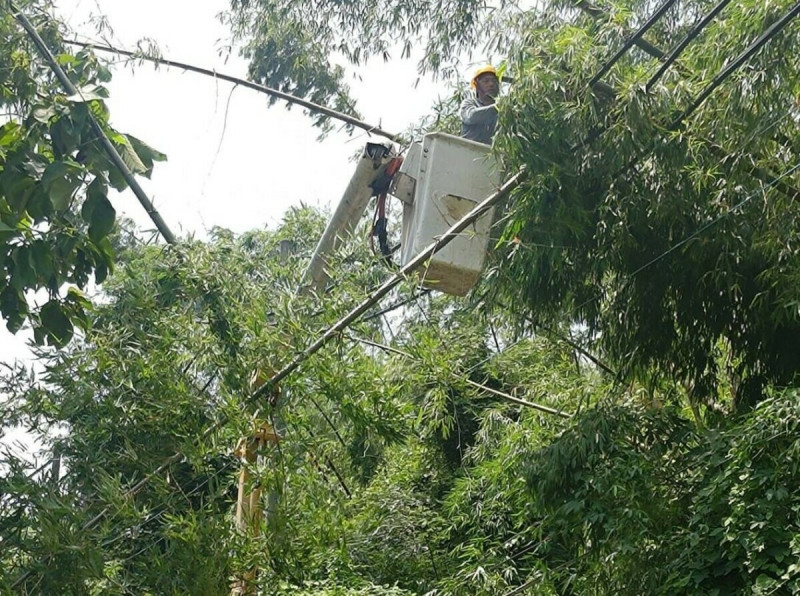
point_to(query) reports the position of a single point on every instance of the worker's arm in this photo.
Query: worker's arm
(473, 113)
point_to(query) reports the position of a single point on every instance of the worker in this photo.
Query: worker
(478, 111)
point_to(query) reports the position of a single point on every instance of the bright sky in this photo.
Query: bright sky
(232, 161)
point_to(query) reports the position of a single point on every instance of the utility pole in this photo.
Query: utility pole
(249, 514)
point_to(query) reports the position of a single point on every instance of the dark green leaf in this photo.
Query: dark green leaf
(56, 323)
(102, 218)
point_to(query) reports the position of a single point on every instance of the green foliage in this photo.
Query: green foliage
(55, 215)
(665, 237)
(636, 501)
(404, 466)
(742, 525)
(291, 48)
(397, 531)
(326, 588)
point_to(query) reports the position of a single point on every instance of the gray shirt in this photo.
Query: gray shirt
(478, 122)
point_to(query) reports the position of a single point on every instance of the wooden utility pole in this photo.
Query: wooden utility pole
(249, 515)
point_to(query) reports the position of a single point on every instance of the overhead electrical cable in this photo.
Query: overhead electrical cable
(727, 71)
(597, 131)
(732, 66)
(287, 97)
(631, 41)
(481, 387)
(711, 223)
(394, 306)
(690, 36)
(757, 172)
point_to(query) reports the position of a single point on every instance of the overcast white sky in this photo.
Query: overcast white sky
(236, 164)
(232, 161)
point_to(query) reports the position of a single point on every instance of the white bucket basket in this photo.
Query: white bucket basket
(452, 176)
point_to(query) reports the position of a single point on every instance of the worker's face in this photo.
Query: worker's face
(487, 85)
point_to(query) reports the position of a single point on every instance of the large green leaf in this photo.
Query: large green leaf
(56, 323)
(146, 153)
(102, 218)
(65, 135)
(13, 308)
(10, 132)
(129, 155)
(94, 192)
(44, 113)
(60, 183)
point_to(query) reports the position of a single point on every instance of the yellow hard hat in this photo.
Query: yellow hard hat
(480, 71)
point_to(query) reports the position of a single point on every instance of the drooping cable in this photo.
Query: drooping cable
(711, 223)
(481, 387)
(287, 97)
(696, 233)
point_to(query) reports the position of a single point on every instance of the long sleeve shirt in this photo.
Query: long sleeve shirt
(478, 122)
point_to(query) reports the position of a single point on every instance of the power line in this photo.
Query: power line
(676, 52)
(631, 41)
(292, 99)
(728, 70)
(475, 384)
(755, 171)
(711, 223)
(395, 305)
(753, 48)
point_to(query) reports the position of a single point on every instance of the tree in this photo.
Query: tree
(289, 47)
(55, 215)
(661, 217)
(167, 358)
(659, 204)
(411, 461)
